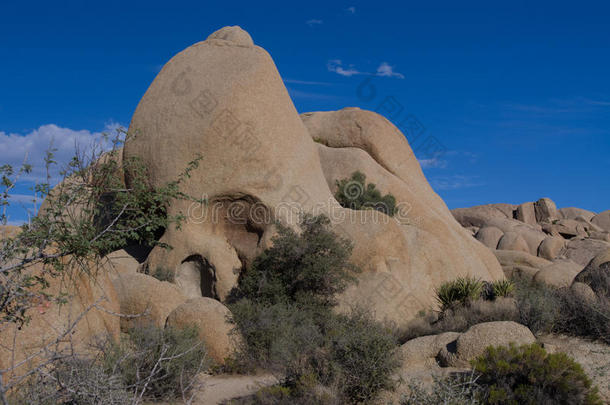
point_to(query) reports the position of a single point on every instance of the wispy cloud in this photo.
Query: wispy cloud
(434, 163)
(455, 182)
(351, 10)
(336, 66)
(307, 82)
(385, 70)
(313, 22)
(311, 95)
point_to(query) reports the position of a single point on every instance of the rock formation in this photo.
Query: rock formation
(522, 236)
(224, 99)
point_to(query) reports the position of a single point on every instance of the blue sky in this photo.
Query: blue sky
(517, 94)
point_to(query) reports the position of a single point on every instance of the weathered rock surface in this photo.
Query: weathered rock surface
(551, 247)
(559, 274)
(573, 213)
(214, 323)
(475, 340)
(88, 315)
(593, 274)
(224, 99)
(567, 235)
(489, 236)
(513, 241)
(602, 220)
(145, 299)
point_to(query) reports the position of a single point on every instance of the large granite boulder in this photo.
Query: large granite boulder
(223, 99)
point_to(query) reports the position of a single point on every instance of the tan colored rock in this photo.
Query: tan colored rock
(475, 340)
(86, 318)
(483, 216)
(506, 209)
(235, 35)
(422, 351)
(583, 291)
(566, 228)
(526, 212)
(559, 274)
(590, 275)
(546, 210)
(509, 258)
(489, 236)
(603, 236)
(214, 322)
(551, 247)
(573, 213)
(145, 298)
(227, 102)
(513, 241)
(602, 220)
(120, 262)
(582, 251)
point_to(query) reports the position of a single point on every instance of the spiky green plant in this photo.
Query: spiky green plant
(502, 288)
(459, 291)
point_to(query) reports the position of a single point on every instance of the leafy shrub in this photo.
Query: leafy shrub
(283, 309)
(160, 363)
(355, 194)
(310, 267)
(527, 374)
(459, 291)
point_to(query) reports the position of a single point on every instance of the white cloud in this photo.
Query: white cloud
(313, 22)
(455, 182)
(336, 66)
(31, 148)
(435, 163)
(306, 82)
(385, 70)
(351, 9)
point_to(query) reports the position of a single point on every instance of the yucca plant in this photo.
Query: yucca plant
(459, 291)
(502, 288)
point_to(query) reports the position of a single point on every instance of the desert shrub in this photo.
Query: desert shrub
(460, 318)
(283, 309)
(459, 389)
(157, 363)
(365, 354)
(579, 316)
(527, 374)
(459, 291)
(539, 305)
(73, 380)
(355, 194)
(310, 267)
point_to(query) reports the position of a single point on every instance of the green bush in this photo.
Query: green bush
(310, 267)
(459, 291)
(528, 375)
(460, 318)
(283, 309)
(162, 363)
(502, 288)
(355, 194)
